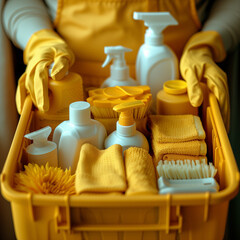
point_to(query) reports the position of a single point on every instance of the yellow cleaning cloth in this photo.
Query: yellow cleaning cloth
(100, 171)
(175, 157)
(194, 148)
(140, 172)
(176, 128)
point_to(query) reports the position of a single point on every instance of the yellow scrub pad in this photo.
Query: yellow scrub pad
(100, 171)
(176, 128)
(194, 148)
(140, 172)
(186, 169)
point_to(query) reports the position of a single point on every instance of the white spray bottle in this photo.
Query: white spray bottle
(156, 62)
(119, 70)
(41, 150)
(126, 134)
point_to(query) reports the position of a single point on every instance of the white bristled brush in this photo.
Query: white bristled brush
(186, 176)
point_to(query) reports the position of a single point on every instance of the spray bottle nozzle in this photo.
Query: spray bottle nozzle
(40, 136)
(126, 112)
(119, 69)
(116, 53)
(156, 21)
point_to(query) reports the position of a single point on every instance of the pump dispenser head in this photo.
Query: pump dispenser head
(119, 69)
(126, 134)
(156, 23)
(126, 112)
(40, 136)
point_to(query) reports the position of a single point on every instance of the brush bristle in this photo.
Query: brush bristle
(185, 169)
(105, 112)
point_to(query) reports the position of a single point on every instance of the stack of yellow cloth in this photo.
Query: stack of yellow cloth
(103, 171)
(140, 172)
(100, 171)
(177, 135)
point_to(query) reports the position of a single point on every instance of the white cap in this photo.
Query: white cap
(157, 22)
(79, 113)
(119, 69)
(40, 136)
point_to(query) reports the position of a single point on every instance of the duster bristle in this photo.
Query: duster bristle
(45, 180)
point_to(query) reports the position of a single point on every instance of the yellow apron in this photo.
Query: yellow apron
(90, 25)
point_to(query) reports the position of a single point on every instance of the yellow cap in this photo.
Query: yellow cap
(175, 87)
(126, 112)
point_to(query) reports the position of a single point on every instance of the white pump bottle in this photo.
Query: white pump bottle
(119, 70)
(41, 150)
(126, 134)
(156, 63)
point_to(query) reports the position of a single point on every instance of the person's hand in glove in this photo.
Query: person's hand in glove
(44, 47)
(198, 64)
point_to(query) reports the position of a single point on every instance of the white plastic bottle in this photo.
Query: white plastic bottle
(41, 150)
(156, 62)
(119, 70)
(79, 129)
(126, 134)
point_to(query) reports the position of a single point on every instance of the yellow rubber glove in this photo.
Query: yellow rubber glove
(43, 48)
(198, 64)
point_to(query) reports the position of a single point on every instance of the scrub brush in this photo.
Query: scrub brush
(186, 176)
(103, 100)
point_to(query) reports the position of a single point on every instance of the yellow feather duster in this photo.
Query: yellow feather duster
(45, 180)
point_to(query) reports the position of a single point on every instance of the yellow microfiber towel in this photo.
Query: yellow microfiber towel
(176, 128)
(140, 172)
(175, 157)
(100, 171)
(194, 148)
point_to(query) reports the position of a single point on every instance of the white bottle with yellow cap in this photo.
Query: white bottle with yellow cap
(126, 134)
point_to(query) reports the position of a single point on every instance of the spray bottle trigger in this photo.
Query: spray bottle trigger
(107, 61)
(116, 53)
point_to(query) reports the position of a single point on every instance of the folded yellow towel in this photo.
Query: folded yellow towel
(194, 148)
(140, 172)
(100, 171)
(176, 128)
(175, 157)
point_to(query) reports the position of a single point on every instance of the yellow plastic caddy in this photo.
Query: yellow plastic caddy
(192, 216)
